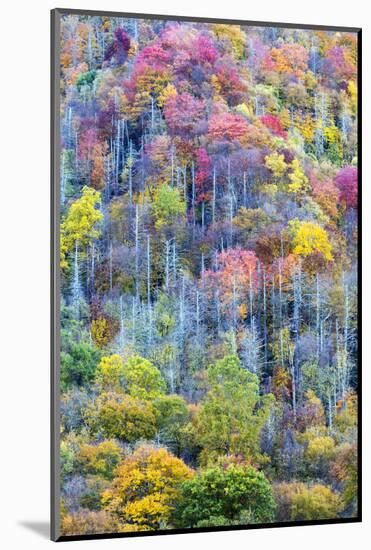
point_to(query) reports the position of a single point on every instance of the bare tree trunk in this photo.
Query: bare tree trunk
(214, 197)
(137, 250)
(152, 114)
(185, 186)
(244, 190)
(122, 321)
(234, 312)
(92, 272)
(149, 270)
(280, 307)
(76, 282)
(318, 316)
(133, 321)
(131, 173)
(149, 305)
(265, 321)
(346, 333)
(172, 167)
(110, 267)
(167, 268)
(174, 263)
(197, 315)
(193, 198)
(250, 298)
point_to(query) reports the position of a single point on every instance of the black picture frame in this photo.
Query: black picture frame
(55, 276)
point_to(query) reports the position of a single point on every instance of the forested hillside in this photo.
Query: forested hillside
(208, 195)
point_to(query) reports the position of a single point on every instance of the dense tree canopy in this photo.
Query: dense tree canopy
(208, 200)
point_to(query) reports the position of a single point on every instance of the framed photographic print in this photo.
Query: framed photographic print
(205, 274)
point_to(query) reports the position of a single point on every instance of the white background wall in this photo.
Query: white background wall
(24, 271)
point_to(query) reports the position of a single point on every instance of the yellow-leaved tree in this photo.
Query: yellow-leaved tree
(167, 206)
(110, 372)
(234, 34)
(146, 488)
(169, 91)
(100, 459)
(309, 238)
(276, 164)
(81, 223)
(298, 179)
(138, 377)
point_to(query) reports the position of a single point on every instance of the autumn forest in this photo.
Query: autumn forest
(208, 261)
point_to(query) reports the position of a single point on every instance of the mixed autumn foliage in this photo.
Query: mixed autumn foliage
(209, 275)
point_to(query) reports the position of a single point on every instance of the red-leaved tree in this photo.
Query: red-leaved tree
(347, 182)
